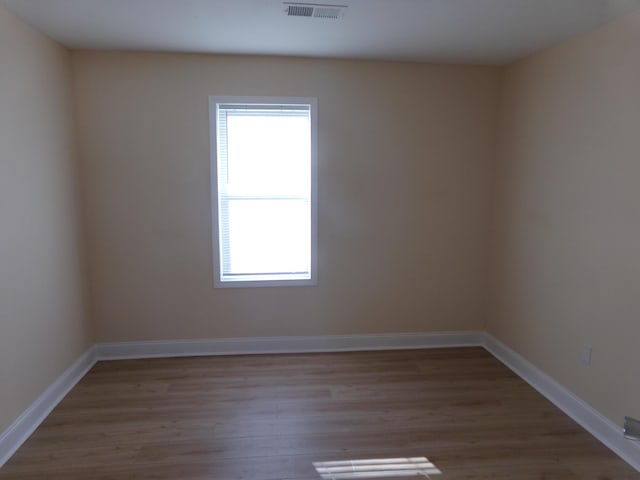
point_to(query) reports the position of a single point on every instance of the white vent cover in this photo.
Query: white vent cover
(314, 10)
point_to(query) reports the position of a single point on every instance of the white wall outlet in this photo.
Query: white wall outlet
(586, 354)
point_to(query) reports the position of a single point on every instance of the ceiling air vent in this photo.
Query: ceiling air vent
(299, 11)
(314, 10)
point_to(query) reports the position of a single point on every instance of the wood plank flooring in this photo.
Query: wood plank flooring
(270, 417)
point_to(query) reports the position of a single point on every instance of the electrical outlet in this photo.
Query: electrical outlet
(586, 354)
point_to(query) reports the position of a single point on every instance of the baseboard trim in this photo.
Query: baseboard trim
(22, 428)
(310, 344)
(595, 423)
(589, 418)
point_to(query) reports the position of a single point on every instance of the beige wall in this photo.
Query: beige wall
(406, 174)
(568, 249)
(43, 326)
(405, 156)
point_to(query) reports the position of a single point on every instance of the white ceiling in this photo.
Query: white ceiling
(489, 32)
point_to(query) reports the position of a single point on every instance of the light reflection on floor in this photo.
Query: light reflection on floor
(376, 468)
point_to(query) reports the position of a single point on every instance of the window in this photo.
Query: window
(263, 154)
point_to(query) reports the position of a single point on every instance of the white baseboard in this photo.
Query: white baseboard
(20, 430)
(589, 418)
(586, 416)
(257, 345)
(34, 415)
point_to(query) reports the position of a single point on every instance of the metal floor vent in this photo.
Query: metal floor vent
(313, 10)
(632, 428)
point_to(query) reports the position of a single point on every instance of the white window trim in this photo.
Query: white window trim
(213, 149)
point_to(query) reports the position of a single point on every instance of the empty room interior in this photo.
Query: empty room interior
(266, 240)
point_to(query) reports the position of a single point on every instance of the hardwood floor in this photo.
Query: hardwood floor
(270, 417)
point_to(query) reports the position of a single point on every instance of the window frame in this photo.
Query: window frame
(216, 241)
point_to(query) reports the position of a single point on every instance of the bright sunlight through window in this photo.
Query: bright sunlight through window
(376, 468)
(264, 152)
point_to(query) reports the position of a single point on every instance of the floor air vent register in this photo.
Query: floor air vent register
(632, 428)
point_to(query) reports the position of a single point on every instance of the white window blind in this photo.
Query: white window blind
(264, 166)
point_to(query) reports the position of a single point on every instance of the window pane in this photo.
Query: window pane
(268, 236)
(265, 156)
(268, 154)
